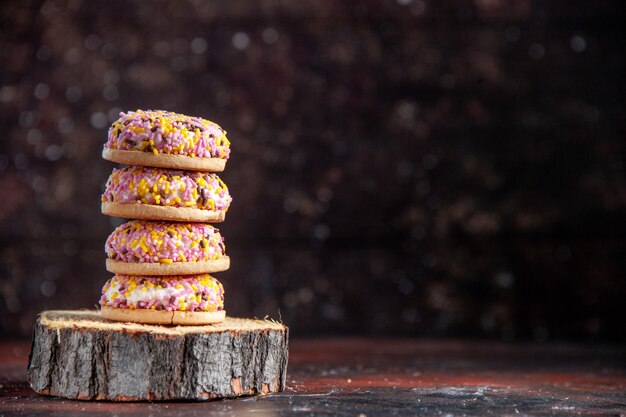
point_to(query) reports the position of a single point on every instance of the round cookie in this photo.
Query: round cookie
(163, 317)
(190, 163)
(168, 140)
(195, 299)
(174, 214)
(162, 194)
(178, 268)
(159, 248)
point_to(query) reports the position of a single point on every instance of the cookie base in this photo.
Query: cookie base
(154, 212)
(145, 316)
(175, 268)
(162, 160)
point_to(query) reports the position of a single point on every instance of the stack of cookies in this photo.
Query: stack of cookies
(163, 256)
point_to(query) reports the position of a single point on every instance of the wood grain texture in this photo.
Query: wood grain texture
(79, 355)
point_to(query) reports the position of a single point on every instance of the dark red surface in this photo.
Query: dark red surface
(387, 377)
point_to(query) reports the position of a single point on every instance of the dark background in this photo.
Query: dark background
(440, 168)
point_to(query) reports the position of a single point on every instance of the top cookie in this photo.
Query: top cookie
(164, 139)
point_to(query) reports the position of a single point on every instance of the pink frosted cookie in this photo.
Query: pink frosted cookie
(163, 194)
(167, 140)
(193, 299)
(158, 248)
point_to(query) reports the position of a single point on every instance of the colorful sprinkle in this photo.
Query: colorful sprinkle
(164, 187)
(159, 131)
(182, 293)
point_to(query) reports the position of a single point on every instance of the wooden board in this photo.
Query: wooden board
(79, 355)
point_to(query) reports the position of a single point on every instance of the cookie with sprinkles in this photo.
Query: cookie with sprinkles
(194, 299)
(164, 139)
(136, 192)
(142, 247)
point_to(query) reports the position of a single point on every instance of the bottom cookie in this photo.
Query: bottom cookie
(163, 316)
(193, 299)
